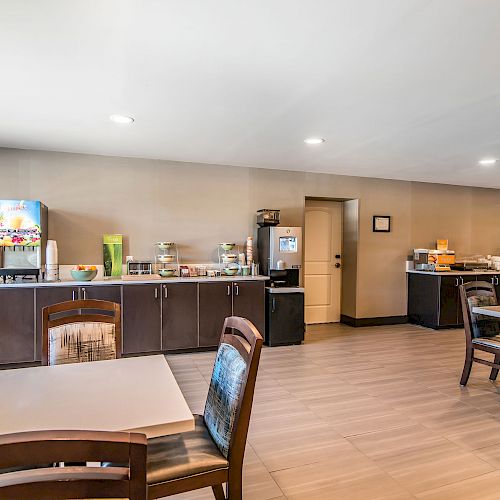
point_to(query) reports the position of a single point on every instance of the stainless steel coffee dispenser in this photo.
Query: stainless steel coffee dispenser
(280, 254)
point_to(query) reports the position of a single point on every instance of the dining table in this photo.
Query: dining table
(493, 311)
(137, 394)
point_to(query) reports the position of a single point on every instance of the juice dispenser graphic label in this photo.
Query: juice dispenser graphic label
(20, 223)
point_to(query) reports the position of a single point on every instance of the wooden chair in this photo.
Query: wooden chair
(91, 333)
(213, 453)
(482, 333)
(20, 451)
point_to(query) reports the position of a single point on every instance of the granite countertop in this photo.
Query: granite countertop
(452, 273)
(119, 281)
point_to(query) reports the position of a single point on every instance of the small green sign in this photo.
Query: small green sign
(113, 254)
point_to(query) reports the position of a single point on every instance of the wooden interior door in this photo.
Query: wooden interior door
(322, 259)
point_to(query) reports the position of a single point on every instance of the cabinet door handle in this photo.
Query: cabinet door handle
(84, 294)
(74, 294)
(156, 293)
(493, 280)
(461, 280)
(228, 290)
(165, 291)
(273, 305)
(456, 281)
(237, 288)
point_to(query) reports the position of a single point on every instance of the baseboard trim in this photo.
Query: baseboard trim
(383, 320)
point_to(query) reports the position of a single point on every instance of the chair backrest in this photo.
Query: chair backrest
(30, 450)
(91, 333)
(230, 396)
(478, 294)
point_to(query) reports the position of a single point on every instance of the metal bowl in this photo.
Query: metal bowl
(166, 258)
(165, 244)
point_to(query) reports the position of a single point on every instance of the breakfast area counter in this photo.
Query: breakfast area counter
(434, 297)
(453, 273)
(135, 281)
(157, 315)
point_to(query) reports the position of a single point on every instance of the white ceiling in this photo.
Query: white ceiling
(403, 89)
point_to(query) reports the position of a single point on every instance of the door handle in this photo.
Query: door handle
(228, 290)
(461, 280)
(456, 281)
(74, 296)
(156, 292)
(273, 307)
(496, 277)
(84, 294)
(165, 291)
(493, 280)
(337, 265)
(236, 288)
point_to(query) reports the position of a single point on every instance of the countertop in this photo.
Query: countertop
(119, 281)
(453, 273)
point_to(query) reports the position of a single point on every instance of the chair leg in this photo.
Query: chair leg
(494, 371)
(467, 366)
(218, 492)
(234, 485)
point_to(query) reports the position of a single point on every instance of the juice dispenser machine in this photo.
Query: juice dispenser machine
(23, 238)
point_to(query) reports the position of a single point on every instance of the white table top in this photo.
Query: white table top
(139, 394)
(487, 311)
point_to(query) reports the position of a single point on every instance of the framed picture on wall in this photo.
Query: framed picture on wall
(382, 223)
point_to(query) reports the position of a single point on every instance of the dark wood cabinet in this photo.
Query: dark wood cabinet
(47, 296)
(179, 316)
(448, 301)
(113, 293)
(215, 304)
(141, 315)
(248, 302)
(155, 317)
(17, 326)
(434, 299)
(284, 318)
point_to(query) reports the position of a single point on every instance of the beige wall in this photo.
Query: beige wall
(200, 205)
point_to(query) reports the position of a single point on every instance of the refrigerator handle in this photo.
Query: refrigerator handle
(273, 307)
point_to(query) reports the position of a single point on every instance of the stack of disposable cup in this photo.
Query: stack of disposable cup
(249, 251)
(51, 262)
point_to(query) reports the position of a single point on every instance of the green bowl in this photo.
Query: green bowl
(83, 275)
(230, 271)
(227, 246)
(166, 273)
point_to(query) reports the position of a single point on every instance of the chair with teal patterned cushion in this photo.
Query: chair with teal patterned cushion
(482, 332)
(213, 453)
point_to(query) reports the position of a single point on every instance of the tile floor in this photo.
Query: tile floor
(368, 413)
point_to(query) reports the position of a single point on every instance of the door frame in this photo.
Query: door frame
(350, 241)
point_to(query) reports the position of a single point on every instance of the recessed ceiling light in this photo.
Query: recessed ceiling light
(122, 119)
(487, 162)
(314, 140)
